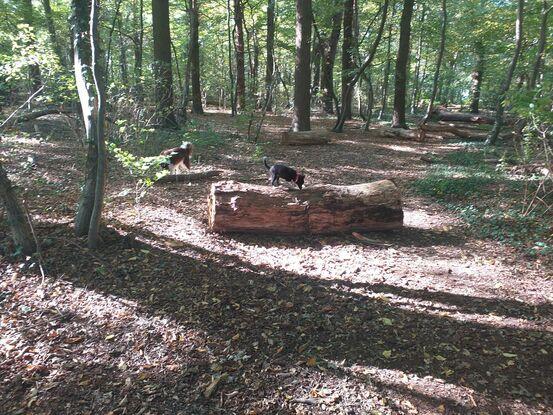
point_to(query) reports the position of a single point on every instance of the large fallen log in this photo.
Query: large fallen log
(305, 138)
(462, 116)
(321, 209)
(187, 177)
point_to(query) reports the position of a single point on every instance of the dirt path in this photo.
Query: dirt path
(169, 318)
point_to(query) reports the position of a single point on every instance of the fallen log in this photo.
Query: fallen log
(321, 209)
(462, 117)
(188, 177)
(41, 113)
(305, 138)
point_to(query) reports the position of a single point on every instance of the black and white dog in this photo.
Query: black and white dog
(280, 171)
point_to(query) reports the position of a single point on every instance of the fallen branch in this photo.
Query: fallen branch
(185, 178)
(38, 91)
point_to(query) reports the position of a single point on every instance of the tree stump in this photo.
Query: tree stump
(320, 209)
(305, 138)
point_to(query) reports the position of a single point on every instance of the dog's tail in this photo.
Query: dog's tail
(265, 163)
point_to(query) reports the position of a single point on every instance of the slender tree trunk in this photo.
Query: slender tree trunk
(348, 59)
(239, 48)
(476, 76)
(398, 119)
(366, 63)
(231, 74)
(330, 45)
(316, 63)
(138, 41)
(194, 57)
(414, 98)
(49, 17)
(270, 67)
(507, 83)
(541, 45)
(438, 65)
(386, 80)
(122, 55)
(17, 220)
(34, 69)
(163, 72)
(370, 102)
(301, 120)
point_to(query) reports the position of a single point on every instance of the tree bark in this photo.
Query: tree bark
(398, 119)
(387, 68)
(122, 54)
(194, 57)
(348, 59)
(163, 72)
(138, 42)
(270, 66)
(48, 15)
(239, 51)
(438, 65)
(321, 209)
(34, 69)
(415, 96)
(17, 220)
(231, 74)
(541, 45)
(507, 83)
(476, 76)
(329, 47)
(301, 120)
(316, 63)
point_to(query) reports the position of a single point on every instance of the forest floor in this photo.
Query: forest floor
(168, 318)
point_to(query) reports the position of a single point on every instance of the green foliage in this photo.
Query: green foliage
(145, 169)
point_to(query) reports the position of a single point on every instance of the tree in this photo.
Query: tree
(541, 45)
(56, 47)
(507, 82)
(91, 90)
(138, 43)
(348, 59)
(194, 57)
(387, 68)
(438, 65)
(415, 96)
(302, 75)
(398, 119)
(17, 220)
(329, 45)
(162, 63)
(476, 76)
(270, 66)
(34, 69)
(239, 51)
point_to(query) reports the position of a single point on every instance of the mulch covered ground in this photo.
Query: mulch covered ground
(168, 318)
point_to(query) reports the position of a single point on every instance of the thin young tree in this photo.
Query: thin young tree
(476, 75)
(90, 88)
(348, 58)
(500, 108)
(194, 57)
(17, 219)
(34, 69)
(270, 66)
(541, 45)
(329, 48)
(416, 80)
(163, 72)
(239, 52)
(138, 43)
(438, 65)
(339, 126)
(398, 118)
(232, 95)
(301, 120)
(51, 27)
(387, 67)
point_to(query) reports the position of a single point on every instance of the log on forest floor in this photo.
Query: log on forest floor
(320, 209)
(306, 138)
(463, 117)
(188, 177)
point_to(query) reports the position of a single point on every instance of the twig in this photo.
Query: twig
(38, 91)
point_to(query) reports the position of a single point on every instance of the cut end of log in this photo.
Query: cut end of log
(305, 138)
(321, 209)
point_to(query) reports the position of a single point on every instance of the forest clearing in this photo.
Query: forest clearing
(151, 262)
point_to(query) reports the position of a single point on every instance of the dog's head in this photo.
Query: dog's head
(300, 180)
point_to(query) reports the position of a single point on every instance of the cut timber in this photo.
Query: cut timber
(305, 138)
(321, 209)
(189, 177)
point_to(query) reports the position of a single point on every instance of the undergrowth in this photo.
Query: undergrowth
(488, 200)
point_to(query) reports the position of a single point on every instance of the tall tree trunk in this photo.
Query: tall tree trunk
(48, 15)
(270, 67)
(17, 220)
(163, 72)
(329, 47)
(99, 109)
(239, 51)
(541, 45)
(316, 63)
(438, 64)
(366, 63)
(386, 76)
(34, 70)
(348, 59)
(301, 120)
(476, 76)
(194, 57)
(415, 96)
(122, 54)
(398, 119)
(138, 42)
(507, 83)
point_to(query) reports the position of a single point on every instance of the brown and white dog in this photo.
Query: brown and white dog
(177, 157)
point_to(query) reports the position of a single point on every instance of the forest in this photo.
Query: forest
(276, 207)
